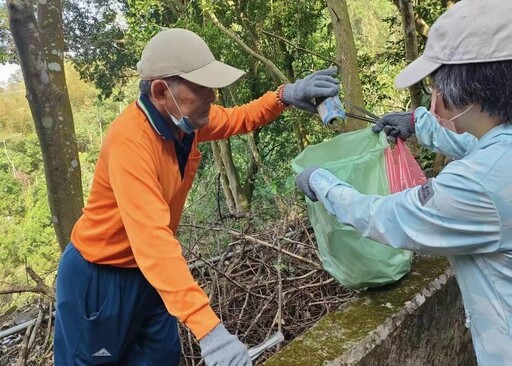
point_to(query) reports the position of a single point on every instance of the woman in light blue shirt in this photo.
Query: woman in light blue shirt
(465, 212)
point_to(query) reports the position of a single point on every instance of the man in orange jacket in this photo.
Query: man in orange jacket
(123, 280)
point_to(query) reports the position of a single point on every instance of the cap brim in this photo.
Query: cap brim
(415, 71)
(214, 75)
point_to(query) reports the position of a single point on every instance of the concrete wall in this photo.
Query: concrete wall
(418, 321)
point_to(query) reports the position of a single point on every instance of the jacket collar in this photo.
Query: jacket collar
(154, 117)
(499, 133)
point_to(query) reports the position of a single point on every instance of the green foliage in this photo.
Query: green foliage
(11, 203)
(368, 25)
(26, 232)
(429, 10)
(379, 62)
(95, 36)
(104, 41)
(7, 49)
(15, 114)
(260, 24)
(426, 160)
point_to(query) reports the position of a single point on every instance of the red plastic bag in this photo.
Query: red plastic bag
(402, 169)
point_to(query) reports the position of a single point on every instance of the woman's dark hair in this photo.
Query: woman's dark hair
(488, 84)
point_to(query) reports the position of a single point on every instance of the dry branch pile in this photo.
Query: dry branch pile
(33, 345)
(267, 282)
(258, 284)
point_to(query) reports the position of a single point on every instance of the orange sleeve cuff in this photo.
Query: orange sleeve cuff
(202, 322)
(279, 97)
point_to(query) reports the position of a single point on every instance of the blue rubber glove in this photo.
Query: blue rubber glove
(221, 348)
(318, 85)
(302, 182)
(396, 124)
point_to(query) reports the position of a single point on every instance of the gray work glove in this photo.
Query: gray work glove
(221, 348)
(302, 182)
(396, 124)
(318, 85)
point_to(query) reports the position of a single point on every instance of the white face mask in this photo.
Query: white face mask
(184, 123)
(446, 123)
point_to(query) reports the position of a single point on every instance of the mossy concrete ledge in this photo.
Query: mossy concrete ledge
(417, 321)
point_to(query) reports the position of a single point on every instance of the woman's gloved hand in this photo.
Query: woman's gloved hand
(302, 183)
(396, 124)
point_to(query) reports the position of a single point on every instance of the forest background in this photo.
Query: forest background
(244, 183)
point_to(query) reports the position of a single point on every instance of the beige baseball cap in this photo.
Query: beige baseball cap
(180, 52)
(470, 31)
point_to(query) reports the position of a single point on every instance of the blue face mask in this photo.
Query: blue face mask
(184, 123)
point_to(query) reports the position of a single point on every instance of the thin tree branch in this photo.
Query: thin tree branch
(299, 48)
(227, 277)
(260, 242)
(14, 170)
(40, 288)
(269, 64)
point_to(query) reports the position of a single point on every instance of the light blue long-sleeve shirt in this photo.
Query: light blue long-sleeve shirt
(464, 213)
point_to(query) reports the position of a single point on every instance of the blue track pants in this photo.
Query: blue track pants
(110, 316)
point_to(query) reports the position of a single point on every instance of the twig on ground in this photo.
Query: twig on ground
(22, 358)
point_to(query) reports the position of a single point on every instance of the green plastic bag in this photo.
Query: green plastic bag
(356, 262)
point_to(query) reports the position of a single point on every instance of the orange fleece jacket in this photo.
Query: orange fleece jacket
(137, 197)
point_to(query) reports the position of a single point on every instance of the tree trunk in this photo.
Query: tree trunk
(248, 184)
(241, 203)
(40, 46)
(411, 46)
(238, 197)
(346, 59)
(219, 165)
(422, 27)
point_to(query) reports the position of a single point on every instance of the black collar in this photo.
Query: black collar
(155, 118)
(182, 148)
